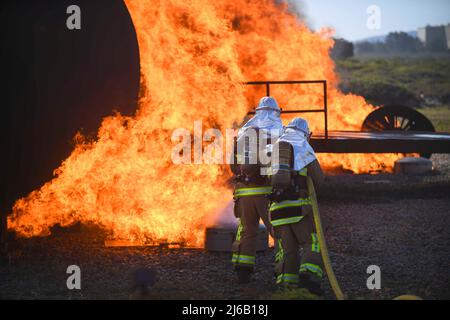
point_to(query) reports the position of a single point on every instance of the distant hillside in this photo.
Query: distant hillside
(407, 81)
(382, 38)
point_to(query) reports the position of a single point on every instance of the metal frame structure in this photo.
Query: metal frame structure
(395, 141)
(381, 142)
(325, 101)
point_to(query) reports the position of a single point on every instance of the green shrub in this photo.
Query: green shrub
(397, 80)
(381, 93)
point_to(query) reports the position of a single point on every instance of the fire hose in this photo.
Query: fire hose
(324, 251)
(323, 246)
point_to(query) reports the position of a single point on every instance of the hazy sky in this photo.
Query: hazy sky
(349, 17)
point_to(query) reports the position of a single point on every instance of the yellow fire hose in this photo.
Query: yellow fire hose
(323, 246)
(324, 251)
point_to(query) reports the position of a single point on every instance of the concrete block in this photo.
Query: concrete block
(413, 166)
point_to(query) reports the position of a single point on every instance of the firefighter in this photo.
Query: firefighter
(251, 187)
(291, 211)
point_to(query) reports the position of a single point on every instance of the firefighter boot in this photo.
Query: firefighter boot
(243, 274)
(312, 285)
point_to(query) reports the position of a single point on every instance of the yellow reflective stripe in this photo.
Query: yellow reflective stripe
(243, 259)
(281, 167)
(255, 188)
(284, 221)
(280, 252)
(290, 203)
(315, 246)
(287, 277)
(303, 172)
(314, 268)
(241, 192)
(239, 230)
(250, 194)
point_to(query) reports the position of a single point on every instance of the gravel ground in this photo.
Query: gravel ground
(400, 223)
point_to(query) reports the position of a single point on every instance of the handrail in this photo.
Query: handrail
(325, 100)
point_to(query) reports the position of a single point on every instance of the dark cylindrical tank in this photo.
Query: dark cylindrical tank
(58, 81)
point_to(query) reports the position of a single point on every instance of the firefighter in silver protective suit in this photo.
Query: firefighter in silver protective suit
(291, 211)
(251, 184)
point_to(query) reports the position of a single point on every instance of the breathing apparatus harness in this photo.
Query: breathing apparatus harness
(247, 165)
(287, 184)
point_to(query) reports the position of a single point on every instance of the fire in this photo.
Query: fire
(194, 56)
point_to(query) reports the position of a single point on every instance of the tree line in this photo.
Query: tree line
(397, 42)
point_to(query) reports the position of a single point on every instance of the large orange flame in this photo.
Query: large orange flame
(194, 56)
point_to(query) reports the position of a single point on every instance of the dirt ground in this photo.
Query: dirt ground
(400, 223)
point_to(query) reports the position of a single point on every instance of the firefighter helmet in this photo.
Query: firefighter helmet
(268, 103)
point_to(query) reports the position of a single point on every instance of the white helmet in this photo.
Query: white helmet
(267, 117)
(297, 134)
(268, 103)
(299, 124)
